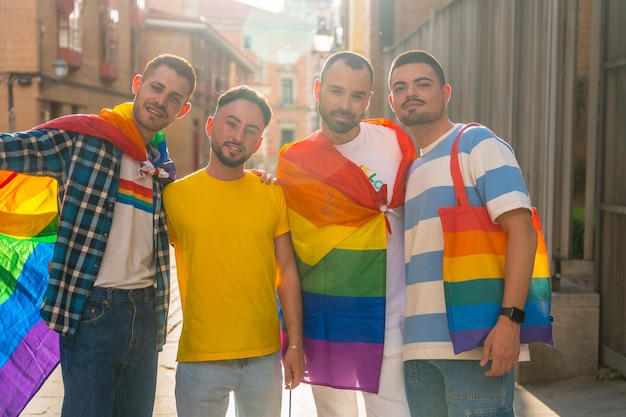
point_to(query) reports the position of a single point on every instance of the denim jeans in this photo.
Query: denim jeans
(109, 368)
(203, 388)
(457, 388)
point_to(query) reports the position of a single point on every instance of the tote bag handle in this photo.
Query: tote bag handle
(455, 168)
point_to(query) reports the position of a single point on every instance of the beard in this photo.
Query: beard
(148, 120)
(416, 118)
(226, 160)
(335, 125)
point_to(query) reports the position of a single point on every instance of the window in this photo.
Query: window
(247, 41)
(70, 28)
(109, 34)
(286, 92)
(110, 19)
(138, 23)
(287, 136)
(70, 32)
(202, 64)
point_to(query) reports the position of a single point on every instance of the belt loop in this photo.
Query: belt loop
(151, 293)
(109, 292)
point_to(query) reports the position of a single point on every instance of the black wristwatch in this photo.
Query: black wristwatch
(516, 314)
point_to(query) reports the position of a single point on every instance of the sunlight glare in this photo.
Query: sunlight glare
(274, 6)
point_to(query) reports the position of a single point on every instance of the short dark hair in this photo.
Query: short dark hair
(179, 64)
(417, 57)
(351, 59)
(246, 93)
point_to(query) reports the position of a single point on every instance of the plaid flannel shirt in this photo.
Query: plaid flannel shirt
(87, 170)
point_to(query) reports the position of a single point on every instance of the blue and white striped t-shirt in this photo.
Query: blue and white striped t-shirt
(493, 179)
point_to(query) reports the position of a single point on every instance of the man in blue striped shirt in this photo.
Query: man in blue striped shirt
(108, 289)
(440, 383)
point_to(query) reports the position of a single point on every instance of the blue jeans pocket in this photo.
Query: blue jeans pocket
(93, 311)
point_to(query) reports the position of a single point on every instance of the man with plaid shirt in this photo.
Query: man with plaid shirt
(108, 289)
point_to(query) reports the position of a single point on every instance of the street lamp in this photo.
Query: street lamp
(323, 43)
(61, 67)
(323, 39)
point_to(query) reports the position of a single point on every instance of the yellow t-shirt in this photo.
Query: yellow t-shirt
(223, 234)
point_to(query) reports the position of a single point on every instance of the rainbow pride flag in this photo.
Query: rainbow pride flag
(340, 239)
(29, 350)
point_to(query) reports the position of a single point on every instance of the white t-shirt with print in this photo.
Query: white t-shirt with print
(376, 151)
(128, 261)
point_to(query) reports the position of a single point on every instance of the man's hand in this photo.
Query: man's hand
(503, 346)
(294, 366)
(265, 176)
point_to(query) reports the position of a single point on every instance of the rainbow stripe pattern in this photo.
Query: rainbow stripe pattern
(474, 254)
(340, 238)
(473, 282)
(135, 195)
(29, 350)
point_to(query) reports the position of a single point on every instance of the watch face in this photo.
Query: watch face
(518, 315)
(514, 313)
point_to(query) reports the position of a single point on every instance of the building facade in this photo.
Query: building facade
(103, 44)
(280, 45)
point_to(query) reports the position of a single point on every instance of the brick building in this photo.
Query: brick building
(280, 46)
(104, 44)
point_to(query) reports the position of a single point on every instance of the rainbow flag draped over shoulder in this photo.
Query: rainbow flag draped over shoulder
(29, 350)
(339, 233)
(117, 126)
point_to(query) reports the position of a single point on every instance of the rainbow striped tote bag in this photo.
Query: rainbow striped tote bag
(473, 272)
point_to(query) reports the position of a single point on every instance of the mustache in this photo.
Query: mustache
(342, 113)
(415, 99)
(238, 145)
(157, 106)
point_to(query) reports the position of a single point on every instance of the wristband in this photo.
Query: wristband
(294, 347)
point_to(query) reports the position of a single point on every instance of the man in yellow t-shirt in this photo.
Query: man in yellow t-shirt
(233, 253)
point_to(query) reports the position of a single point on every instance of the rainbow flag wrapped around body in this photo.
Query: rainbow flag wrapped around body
(29, 350)
(340, 238)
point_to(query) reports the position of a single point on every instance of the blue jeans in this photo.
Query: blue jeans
(109, 368)
(203, 388)
(457, 388)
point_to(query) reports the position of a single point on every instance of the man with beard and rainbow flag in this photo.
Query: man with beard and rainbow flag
(105, 305)
(344, 186)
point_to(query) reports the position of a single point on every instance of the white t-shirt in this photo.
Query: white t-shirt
(128, 261)
(376, 151)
